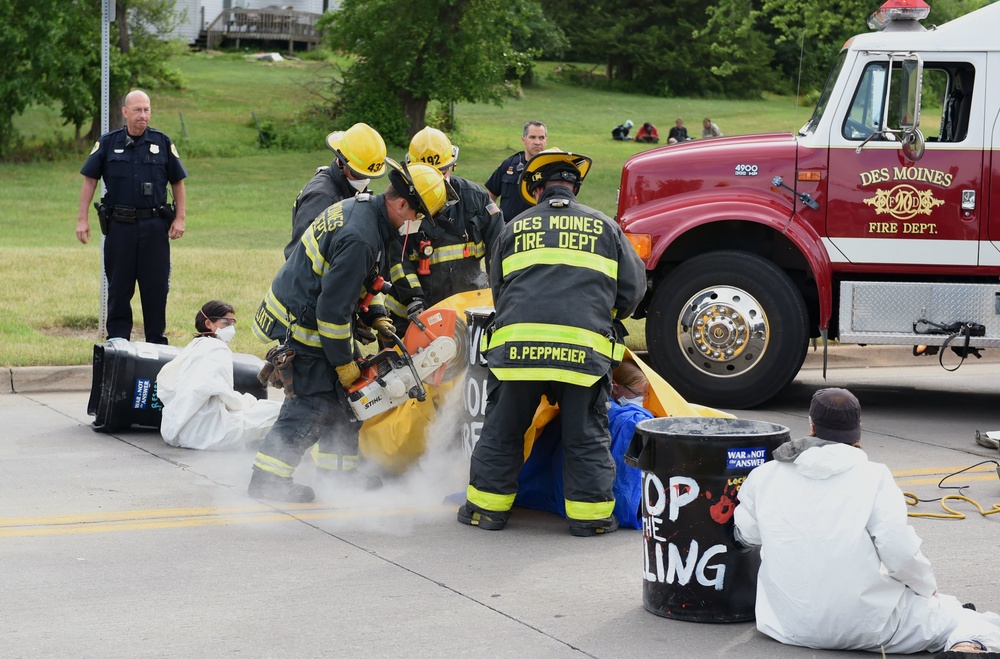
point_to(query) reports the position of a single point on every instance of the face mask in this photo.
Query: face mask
(638, 400)
(408, 227)
(360, 184)
(226, 334)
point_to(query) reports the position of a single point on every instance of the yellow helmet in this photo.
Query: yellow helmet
(553, 164)
(422, 186)
(361, 149)
(432, 147)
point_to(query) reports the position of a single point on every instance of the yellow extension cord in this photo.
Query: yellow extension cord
(912, 500)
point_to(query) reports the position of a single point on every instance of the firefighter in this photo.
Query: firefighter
(360, 157)
(313, 307)
(444, 259)
(563, 276)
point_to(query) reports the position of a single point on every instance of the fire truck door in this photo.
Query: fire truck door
(885, 209)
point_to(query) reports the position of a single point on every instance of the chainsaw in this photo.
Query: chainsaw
(427, 353)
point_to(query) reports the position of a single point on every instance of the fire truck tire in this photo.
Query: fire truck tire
(727, 329)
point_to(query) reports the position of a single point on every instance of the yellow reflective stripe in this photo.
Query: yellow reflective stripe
(488, 501)
(394, 306)
(319, 264)
(276, 308)
(412, 280)
(544, 333)
(306, 337)
(379, 298)
(535, 374)
(259, 333)
(396, 273)
(335, 461)
(334, 331)
(560, 256)
(457, 252)
(589, 512)
(618, 352)
(273, 465)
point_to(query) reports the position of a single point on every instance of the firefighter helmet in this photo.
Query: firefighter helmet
(432, 147)
(553, 164)
(360, 149)
(423, 187)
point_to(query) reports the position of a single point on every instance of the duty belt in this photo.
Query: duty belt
(129, 215)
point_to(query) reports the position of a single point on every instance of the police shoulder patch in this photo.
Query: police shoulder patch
(97, 146)
(173, 150)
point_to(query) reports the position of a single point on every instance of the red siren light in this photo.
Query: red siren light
(898, 10)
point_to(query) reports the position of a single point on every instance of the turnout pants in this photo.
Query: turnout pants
(138, 252)
(588, 469)
(318, 412)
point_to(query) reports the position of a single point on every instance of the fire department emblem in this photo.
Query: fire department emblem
(904, 202)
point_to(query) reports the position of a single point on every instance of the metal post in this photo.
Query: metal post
(107, 17)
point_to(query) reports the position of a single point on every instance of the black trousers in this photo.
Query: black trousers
(588, 469)
(318, 412)
(138, 252)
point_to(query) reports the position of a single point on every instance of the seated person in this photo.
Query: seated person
(540, 483)
(841, 569)
(647, 133)
(620, 132)
(709, 129)
(201, 409)
(679, 133)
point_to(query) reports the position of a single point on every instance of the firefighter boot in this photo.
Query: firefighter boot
(490, 520)
(265, 485)
(583, 529)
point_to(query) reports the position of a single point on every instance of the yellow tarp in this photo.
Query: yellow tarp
(397, 438)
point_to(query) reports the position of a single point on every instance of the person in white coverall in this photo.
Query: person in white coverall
(841, 569)
(201, 409)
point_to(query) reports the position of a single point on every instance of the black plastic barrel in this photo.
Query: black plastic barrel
(478, 321)
(692, 469)
(123, 387)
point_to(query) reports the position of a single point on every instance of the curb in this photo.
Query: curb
(37, 379)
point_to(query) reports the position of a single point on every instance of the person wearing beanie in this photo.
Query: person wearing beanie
(620, 132)
(841, 569)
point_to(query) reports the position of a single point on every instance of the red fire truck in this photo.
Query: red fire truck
(877, 222)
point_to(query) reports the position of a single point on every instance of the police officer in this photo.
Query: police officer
(360, 157)
(313, 307)
(562, 276)
(136, 162)
(446, 258)
(504, 182)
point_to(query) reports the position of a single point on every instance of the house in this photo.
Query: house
(211, 23)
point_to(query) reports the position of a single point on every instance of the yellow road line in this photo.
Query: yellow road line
(944, 471)
(133, 520)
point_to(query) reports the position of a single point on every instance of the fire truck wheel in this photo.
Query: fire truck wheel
(727, 329)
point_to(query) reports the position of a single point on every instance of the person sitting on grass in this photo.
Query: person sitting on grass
(620, 132)
(201, 409)
(647, 133)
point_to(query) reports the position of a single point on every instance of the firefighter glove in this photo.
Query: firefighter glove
(348, 373)
(415, 308)
(384, 327)
(363, 335)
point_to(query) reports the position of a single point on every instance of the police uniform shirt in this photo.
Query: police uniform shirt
(505, 183)
(136, 170)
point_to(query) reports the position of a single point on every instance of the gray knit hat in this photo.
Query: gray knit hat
(836, 415)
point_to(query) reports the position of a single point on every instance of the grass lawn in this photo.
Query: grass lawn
(240, 196)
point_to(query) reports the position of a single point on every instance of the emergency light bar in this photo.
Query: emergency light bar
(898, 10)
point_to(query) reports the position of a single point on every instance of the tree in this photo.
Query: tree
(50, 53)
(410, 53)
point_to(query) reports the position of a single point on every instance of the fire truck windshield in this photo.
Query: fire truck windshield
(824, 98)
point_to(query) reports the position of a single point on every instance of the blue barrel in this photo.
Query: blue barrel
(692, 469)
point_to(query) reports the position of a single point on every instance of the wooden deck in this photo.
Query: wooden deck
(242, 25)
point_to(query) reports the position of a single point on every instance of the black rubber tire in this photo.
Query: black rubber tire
(786, 320)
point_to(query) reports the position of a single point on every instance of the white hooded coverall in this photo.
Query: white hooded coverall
(201, 409)
(841, 569)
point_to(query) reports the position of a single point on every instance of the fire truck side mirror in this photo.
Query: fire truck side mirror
(913, 145)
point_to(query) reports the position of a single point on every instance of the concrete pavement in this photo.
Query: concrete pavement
(122, 546)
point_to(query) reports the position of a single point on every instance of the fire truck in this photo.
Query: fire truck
(877, 223)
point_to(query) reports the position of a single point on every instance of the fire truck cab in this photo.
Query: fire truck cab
(878, 221)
